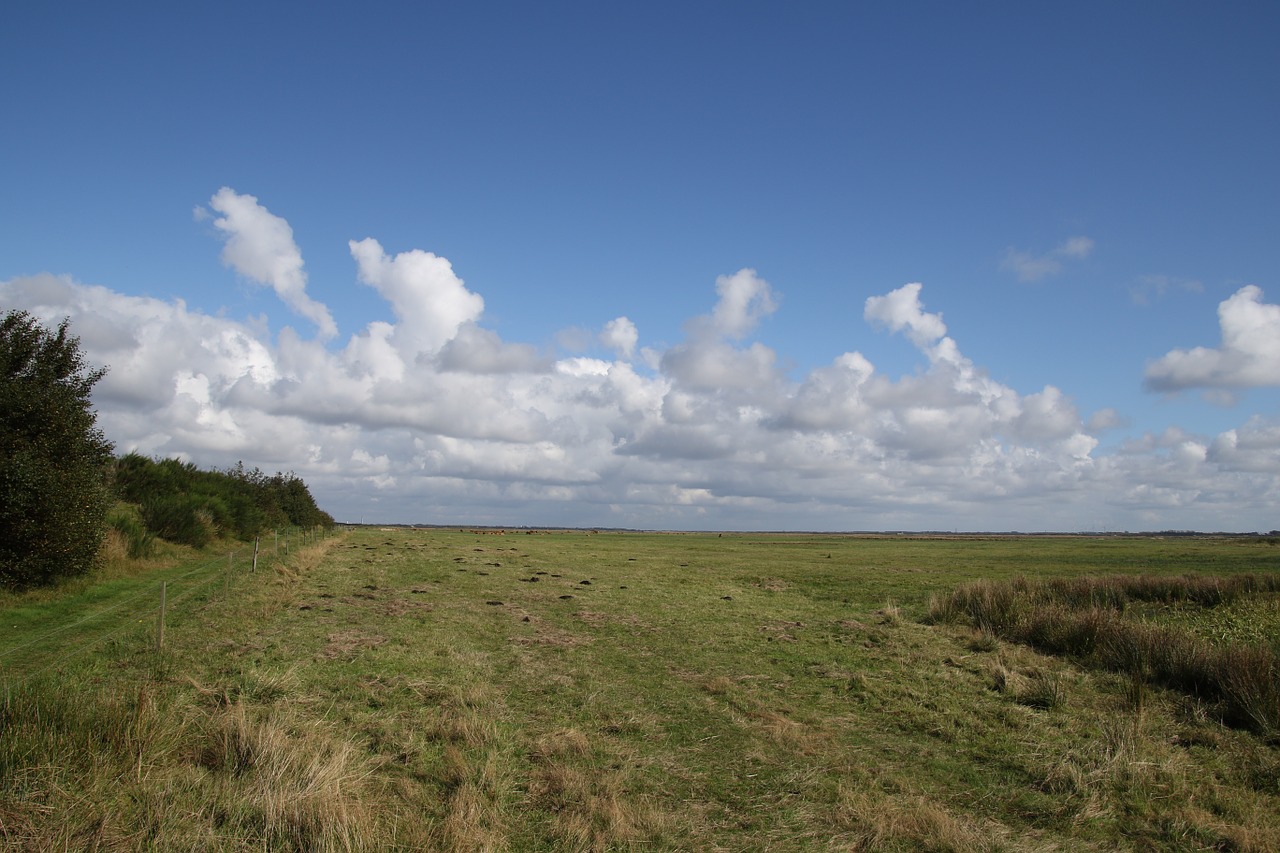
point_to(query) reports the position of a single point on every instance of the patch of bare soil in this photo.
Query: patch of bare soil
(400, 607)
(549, 635)
(781, 630)
(599, 620)
(345, 645)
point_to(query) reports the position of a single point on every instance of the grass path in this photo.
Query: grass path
(44, 629)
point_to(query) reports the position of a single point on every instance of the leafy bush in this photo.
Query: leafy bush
(54, 461)
(187, 519)
(185, 504)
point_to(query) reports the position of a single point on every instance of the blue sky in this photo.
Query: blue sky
(1083, 194)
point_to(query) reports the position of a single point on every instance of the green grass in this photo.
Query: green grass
(443, 690)
(42, 629)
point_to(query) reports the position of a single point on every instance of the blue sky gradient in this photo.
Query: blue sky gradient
(1083, 192)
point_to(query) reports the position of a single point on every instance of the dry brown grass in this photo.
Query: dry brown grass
(592, 807)
(461, 724)
(346, 645)
(473, 819)
(873, 820)
(560, 744)
(890, 614)
(553, 638)
(273, 780)
(782, 630)
(302, 784)
(115, 549)
(771, 584)
(786, 732)
(287, 573)
(718, 685)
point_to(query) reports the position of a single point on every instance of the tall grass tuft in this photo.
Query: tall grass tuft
(942, 610)
(139, 542)
(991, 606)
(872, 820)
(1044, 690)
(165, 776)
(1249, 677)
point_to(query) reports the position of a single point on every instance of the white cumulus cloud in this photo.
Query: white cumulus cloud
(745, 299)
(621, 336)
(901, 309)
(260, 246)
(430, 302)
(1249, 355)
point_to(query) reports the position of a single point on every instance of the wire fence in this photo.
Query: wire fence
(139, 612)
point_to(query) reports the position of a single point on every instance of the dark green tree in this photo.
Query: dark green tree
(298, 504)
(54, 461)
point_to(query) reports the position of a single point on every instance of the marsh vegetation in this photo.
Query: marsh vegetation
(446, 690)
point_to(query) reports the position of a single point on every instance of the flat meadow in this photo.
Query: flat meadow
(456, 690)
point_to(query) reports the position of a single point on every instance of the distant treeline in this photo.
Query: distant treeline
(181, 503)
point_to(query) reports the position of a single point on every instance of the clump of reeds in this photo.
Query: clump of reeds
(1083, 618)
(1002, 603)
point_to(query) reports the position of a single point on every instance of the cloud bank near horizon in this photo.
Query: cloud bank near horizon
(436, 418)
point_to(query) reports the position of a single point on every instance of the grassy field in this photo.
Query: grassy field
(455, 691)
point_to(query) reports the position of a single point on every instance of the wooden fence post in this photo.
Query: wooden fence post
(160, 619)
(255, 555)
